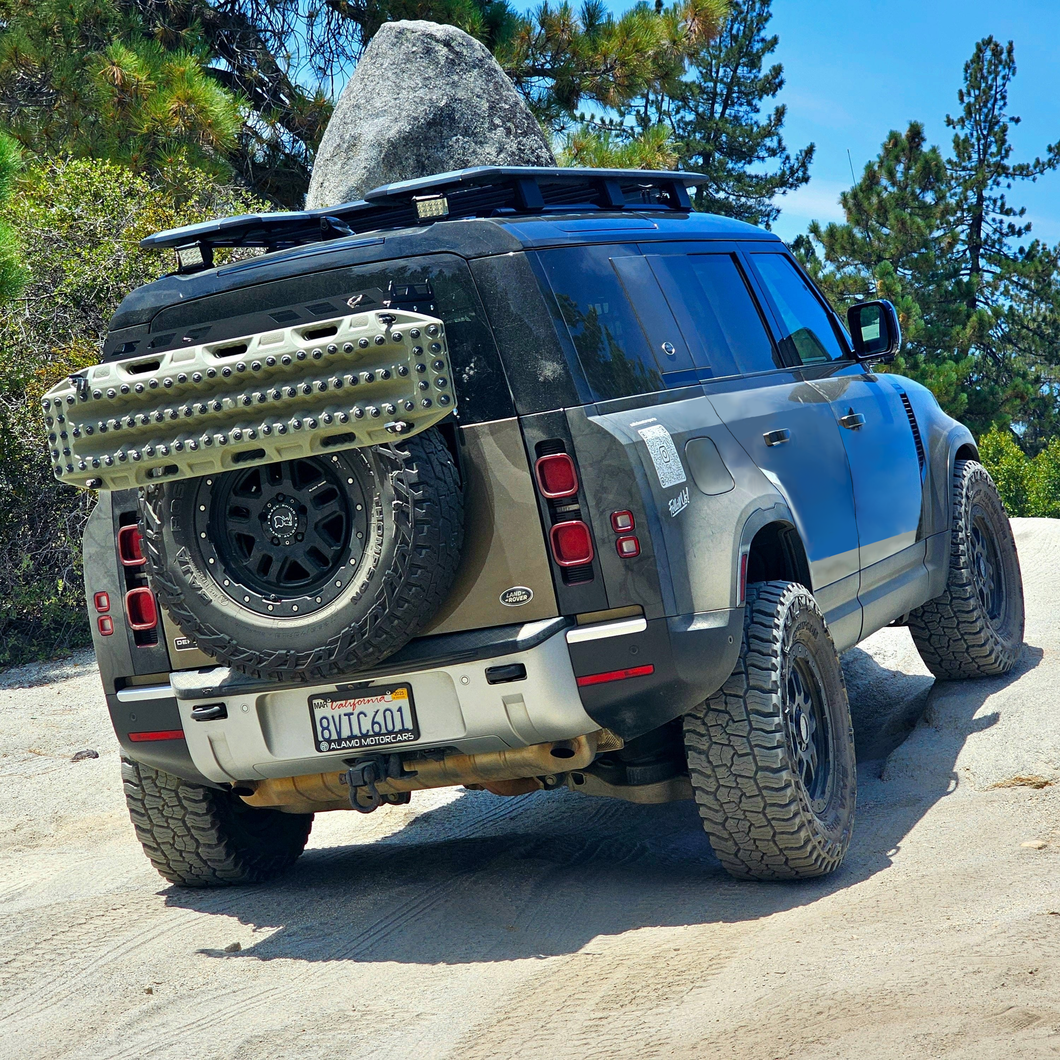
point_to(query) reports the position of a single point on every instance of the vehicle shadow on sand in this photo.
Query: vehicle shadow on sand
(489, 879)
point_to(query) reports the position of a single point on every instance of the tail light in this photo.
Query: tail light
(141, 609)
(129, 551)
(141, 617)
(556, 476)
(572, 544)
(569, 537)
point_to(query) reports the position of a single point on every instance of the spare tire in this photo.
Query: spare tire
(302, 569)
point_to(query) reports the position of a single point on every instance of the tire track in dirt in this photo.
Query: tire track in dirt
(248, 1002)
(625, 992)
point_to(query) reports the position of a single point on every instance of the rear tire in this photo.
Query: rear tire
(975, 627)
(203, 837)
(771, 754)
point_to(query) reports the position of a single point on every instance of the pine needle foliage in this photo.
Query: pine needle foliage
(78, 224)
(81, 78)
(12, 270)
(724, 127)
(936, 234)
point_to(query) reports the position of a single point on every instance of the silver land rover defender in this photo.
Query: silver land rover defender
(518, 479)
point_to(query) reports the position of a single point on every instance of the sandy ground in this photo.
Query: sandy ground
(469, 926)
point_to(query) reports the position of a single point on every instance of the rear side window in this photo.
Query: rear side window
(611, 346)
(807, 333)
(716, 312)
(437, 284)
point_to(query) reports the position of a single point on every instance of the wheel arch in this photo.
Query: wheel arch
(774, 550)
(962, 446)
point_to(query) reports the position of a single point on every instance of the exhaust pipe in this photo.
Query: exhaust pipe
(326, 791)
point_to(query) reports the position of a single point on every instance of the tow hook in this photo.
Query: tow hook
(365, 773)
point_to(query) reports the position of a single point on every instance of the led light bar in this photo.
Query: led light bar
(354, 381)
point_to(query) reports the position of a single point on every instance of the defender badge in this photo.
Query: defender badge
(516, 596)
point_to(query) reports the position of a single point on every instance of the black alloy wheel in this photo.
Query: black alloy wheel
(286, 529)
(807, 726)
(989, 572)
(287, 537)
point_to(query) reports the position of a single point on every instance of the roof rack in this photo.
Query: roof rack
(485, 191)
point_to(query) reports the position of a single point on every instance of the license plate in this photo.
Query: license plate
(378, 717)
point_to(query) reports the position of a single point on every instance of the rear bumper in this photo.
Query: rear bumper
(266, 731)
(691, 657)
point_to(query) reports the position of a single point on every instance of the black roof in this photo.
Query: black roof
(485, 191)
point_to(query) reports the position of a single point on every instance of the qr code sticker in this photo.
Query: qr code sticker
(663, 455)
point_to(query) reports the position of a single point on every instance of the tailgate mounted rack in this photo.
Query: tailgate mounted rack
(485, 191)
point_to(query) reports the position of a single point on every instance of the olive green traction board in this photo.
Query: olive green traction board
(353, 381)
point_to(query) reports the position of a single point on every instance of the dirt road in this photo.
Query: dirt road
(469, 926)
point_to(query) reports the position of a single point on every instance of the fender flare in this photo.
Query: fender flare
(757, 520)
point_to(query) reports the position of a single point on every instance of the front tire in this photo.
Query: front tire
(975, 627)
(204, 837)
(771, 754)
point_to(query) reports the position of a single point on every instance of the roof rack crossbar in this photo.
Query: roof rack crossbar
(484, 191)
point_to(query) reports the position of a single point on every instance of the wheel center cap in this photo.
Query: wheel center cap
(282, 520)
(804, 728)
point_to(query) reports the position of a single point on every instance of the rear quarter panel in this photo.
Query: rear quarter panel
(694, 536)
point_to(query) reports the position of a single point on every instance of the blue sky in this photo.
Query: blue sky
(856, 69)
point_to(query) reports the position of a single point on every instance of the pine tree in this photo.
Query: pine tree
(633, 66)
(1010, 287)
(82, 79)
(897, 243)
(719, 125)
(979, 305)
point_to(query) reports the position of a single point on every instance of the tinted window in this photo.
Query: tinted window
(613, 350)
(439, 285)
(807, 334)
(543, 374)
(717, 313)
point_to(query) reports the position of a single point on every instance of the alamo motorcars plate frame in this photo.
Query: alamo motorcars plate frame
(367, 719)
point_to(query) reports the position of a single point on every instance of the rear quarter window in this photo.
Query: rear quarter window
(596, 314)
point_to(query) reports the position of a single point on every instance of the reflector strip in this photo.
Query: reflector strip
(616, 675)
(161, 734)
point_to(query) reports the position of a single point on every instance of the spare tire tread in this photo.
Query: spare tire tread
(410, 592)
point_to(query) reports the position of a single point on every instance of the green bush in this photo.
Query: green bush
(78, 224)
(1029, 486)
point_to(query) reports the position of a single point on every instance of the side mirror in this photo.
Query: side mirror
(875, 330)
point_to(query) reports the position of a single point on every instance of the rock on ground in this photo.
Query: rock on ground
(424, 99)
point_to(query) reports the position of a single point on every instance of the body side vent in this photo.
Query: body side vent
(920, 455)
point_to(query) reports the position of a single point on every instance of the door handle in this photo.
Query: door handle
(777, 437)
(852, 421)
(209, 712)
